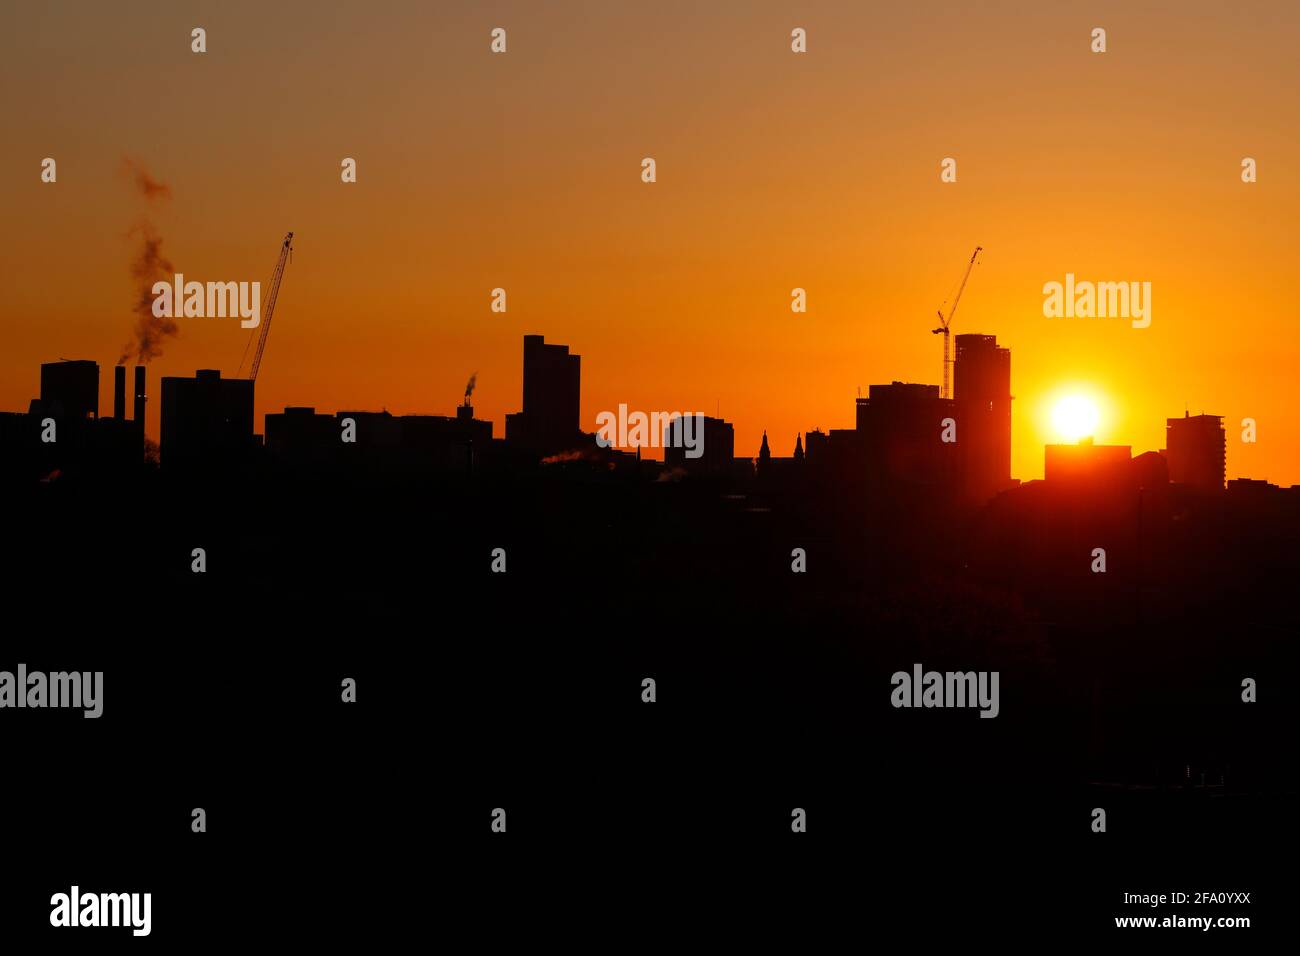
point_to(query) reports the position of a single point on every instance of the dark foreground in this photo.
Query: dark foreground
(522, 690)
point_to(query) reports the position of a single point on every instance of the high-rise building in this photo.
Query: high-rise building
(206, 420)
(714, 439)
(1196, 450)
(900, 427)
(982, 391)
(70, 390)
(549, 422)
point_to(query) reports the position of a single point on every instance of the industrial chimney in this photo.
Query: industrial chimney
(119, 392)
(139, 396)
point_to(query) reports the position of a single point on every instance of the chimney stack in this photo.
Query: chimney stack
(139, 396)
(119, 392)
(465, 413)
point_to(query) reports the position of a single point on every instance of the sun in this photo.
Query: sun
(1075, 417)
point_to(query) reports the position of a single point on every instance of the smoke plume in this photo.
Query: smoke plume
(145, 184)
(469, 387)
(148, 266)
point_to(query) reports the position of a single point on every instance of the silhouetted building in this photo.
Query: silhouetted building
(206, 420)
(982, 392)
(430, 430)
(716, 442)
(21, 454)
(70, 390)
(415, 444)
(1253, 503)
(76, 440)
(299, 436)
(837, 457)
(817, 443)
(446, 444)
(1089, 466)
(1150, 470)
(549, 422)
(901, 428)
(1196, 450)
(742, 469)
(368, 430)
(1251, 487)
(775, 472)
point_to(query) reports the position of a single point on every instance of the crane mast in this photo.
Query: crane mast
(946, 323)
(286, 252)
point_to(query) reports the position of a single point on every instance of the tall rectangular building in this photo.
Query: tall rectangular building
(982, 391)
(1197, 451)
(70, 390)
(900, 427)
(549, 421)
(206, 420)
(715, 441)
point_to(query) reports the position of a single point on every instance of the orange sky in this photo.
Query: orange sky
(775, 170)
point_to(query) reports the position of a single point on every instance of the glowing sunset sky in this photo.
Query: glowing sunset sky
(775, 170)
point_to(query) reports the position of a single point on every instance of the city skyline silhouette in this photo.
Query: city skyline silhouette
(635, 460)
(468, 180)
(926, 412)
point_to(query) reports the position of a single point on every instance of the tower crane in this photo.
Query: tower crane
(286, 255)
(944, 325)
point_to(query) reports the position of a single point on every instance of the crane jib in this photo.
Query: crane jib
(945, 324)
(286, 251)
